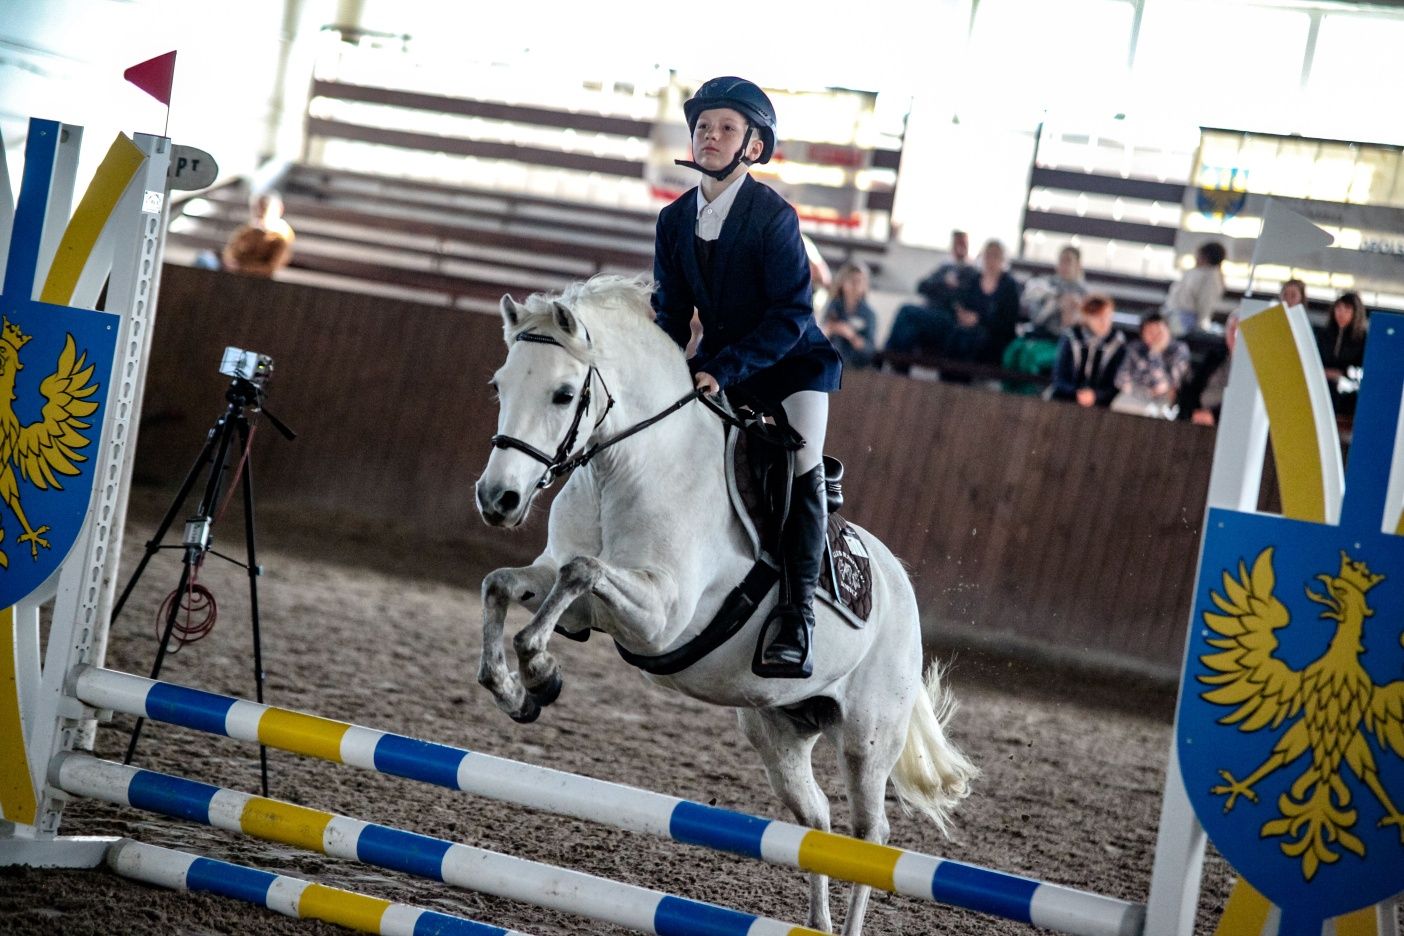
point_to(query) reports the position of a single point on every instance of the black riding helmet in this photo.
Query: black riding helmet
(747, 99)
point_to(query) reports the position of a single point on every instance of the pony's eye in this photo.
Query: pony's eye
(562, 397)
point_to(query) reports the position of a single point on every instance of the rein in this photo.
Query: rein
(563, 463)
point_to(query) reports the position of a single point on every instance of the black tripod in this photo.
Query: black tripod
(243, 395)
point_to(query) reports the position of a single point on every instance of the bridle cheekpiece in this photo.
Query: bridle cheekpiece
(562, 462)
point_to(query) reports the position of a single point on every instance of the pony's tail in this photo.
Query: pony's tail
(932, 776)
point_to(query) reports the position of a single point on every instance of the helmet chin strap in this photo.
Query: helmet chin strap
(721, 174)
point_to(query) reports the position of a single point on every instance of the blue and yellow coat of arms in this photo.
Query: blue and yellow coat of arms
(55, 364)
(1291, 719)
(1222, 192)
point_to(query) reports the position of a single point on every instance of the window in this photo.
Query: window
(1028, 56)
(1355, 79)
(1220, 64)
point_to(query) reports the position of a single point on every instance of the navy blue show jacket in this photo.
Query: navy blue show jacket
(752, 295)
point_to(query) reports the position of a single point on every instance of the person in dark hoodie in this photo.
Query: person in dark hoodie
(731, 249)
(1089, 356)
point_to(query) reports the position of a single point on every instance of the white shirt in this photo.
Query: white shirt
(1198, 291)
(712, 215)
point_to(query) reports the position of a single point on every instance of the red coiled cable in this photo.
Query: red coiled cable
(198, 610)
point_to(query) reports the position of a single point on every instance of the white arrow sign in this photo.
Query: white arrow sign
(191, 169)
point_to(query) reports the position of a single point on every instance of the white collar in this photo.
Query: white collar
(721, 205)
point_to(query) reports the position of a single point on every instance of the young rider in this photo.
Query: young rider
(731, 249)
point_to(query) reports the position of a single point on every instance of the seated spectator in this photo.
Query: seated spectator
(1204, 397)
(1292, 293)
(1191, 302)
(1089, 356)
(849, 321)
(263, 246)
(951, 278)
(1152, 371)
(987, 311)
(922, 329)
(1342, 348)
(1051, 303)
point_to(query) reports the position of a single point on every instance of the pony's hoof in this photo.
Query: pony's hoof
(530, 711)
(549, 691)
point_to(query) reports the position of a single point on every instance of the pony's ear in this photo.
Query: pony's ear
(565, 319)
(511, 312)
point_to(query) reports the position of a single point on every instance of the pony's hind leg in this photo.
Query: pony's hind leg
(785, 747)
(528, 586)
(868, 748)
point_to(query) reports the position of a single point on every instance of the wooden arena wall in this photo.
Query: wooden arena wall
(1024, 523)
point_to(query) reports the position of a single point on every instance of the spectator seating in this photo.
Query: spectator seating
(439, 243)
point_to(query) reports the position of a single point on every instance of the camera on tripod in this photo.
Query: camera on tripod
(246, 365)
(189, 612)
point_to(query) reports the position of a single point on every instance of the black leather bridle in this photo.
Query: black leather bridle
(563, 463)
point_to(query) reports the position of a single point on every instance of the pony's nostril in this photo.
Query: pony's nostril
(507, 501)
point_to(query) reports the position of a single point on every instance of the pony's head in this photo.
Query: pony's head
(550, 397)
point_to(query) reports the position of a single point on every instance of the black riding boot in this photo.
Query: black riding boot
(791, 625)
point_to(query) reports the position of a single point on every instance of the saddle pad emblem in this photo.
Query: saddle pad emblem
(853, 578)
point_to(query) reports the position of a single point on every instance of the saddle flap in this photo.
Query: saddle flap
(756, 475)
(756, 471)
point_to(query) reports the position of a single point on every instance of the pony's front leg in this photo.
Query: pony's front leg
(636, 601)
(527, 586)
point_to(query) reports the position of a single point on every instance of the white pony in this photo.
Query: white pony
(644, 547)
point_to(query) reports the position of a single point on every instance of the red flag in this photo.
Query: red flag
(154, 76)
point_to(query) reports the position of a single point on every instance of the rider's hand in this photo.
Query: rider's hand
(706, 383)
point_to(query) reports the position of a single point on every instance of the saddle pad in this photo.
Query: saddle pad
(846, 583)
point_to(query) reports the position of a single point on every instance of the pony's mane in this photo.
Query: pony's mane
(603, 303)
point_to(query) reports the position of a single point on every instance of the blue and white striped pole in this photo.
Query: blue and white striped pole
(477, 869)
(290, 896)
(1052, 906)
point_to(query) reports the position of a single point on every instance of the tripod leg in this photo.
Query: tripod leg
(194, 552)
(154, 544)
(161, 650)
(254, 572)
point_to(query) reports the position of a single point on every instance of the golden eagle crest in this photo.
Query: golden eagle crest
(1332, 703)
(1218, 201)
(48, 447)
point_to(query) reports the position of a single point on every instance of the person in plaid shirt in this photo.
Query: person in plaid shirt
(1155, 364)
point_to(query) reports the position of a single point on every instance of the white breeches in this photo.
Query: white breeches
(808, 412)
